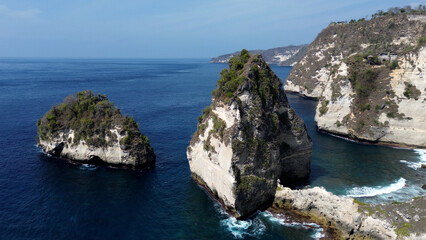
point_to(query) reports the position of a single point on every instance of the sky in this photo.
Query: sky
(168, 28)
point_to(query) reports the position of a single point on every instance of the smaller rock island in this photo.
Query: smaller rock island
(88, 128)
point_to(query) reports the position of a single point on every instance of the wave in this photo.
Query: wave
(89, 167)
(283, 220)
(422, 155)
(374, 191)
(416, 165)
(242, 228)
(413, 165)
(255, 227)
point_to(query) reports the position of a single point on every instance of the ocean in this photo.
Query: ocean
(46, 198)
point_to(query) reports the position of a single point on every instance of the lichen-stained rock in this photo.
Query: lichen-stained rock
(88, 128)
(248, 138)
(369, 78)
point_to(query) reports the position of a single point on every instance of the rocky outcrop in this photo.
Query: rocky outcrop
(248, 138)
(88, 128)
(369, 78)
(354, 219)
(282, 56)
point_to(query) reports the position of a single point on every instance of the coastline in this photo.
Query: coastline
(99, 163)
(357, 140)
(369, 142)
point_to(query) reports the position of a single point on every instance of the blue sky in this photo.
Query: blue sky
(168, 28)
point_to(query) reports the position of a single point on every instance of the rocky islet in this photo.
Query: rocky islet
(88, 128)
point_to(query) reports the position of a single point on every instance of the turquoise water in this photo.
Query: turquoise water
(45, 198)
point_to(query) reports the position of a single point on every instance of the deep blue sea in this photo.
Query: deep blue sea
(46, 198)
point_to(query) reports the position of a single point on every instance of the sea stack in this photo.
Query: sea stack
(248, 138)
(88, 128)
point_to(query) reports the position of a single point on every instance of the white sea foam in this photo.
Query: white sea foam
(88, 167)
(375, 191)
(283, 220)
(416, 165)
(241, 228)
(422, 154)
(318, 234)
(413, 165)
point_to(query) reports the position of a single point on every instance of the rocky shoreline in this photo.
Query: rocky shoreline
(348, 218)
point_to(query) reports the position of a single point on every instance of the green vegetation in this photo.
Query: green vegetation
(360, 203)
(363, 107)
(391, 114)
(421, 41)
(393, 65)
(91, 117)
(403, 230)
(231, 78)
(377, 108)
(396, 202)
(323, 108)
(247, 182)
(218, 126)
(396, 10)
(411, 91)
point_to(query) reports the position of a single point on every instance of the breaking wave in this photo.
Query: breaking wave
(283, 220)
(374, 191)
(241, 228)
(416, 165)
(422, 154)
(413, 165)
(89, 167)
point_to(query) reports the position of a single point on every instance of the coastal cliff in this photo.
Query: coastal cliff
(88, 128)
(282, 56)
(348, 218)
(369, 78)
(248, 138)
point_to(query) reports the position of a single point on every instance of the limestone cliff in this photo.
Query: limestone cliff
(88, 128)
(282, 56)
(348, 218)
(248, 138)
(369, 78)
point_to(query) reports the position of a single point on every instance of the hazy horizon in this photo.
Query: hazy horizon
(196, 29)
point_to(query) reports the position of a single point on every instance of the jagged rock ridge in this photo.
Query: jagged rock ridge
(282, 56)
(248, 138)
(369, 78)
(88, 128)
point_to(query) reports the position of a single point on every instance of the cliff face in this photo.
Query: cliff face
(88, 128)
(369, 78)
(248, 138)
(283, 56)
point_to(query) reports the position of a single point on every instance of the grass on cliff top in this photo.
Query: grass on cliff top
(264, 81)
(230, 78)
(91, 117)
